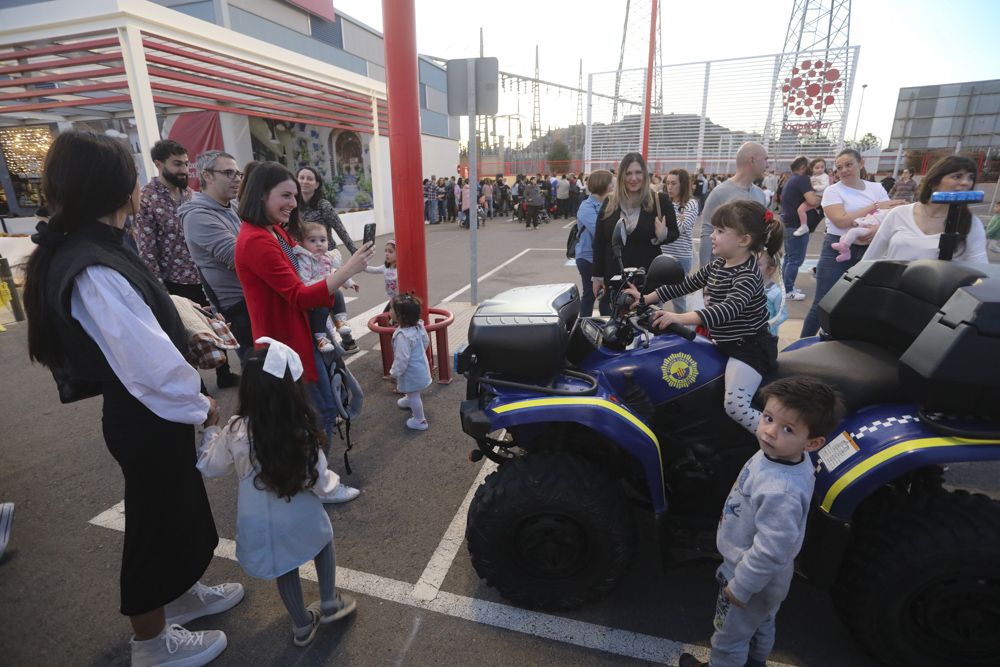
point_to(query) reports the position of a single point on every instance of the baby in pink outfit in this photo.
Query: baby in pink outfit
(848, 238)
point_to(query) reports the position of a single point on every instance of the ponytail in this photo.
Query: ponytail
(774, 234)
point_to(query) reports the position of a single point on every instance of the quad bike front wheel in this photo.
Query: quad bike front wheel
(551, 530)
(921, 586)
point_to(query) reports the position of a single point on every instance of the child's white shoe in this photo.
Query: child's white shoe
(416, 424)
(403, 403)
(801, 231)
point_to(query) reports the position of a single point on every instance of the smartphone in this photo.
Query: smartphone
(369, 233)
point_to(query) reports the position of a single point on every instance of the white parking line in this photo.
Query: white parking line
(429, 584)
(546, 626)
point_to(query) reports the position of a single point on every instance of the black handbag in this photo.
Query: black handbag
(574, 234)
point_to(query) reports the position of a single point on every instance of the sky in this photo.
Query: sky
(903, 42)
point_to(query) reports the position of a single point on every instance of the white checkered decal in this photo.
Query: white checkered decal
(884, 423)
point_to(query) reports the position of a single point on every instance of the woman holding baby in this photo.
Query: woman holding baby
(914, 231)
(845, 204)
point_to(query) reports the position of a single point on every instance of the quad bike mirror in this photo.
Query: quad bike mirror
(664, 270)
(617, 241)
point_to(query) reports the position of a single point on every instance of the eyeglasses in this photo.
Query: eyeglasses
(228, 173)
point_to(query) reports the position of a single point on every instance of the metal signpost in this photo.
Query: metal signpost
(472, 91)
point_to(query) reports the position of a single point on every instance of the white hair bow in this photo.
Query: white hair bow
(280, 357)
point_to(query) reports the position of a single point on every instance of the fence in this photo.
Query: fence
(791, 103)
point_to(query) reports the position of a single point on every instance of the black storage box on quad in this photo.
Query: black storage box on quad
(954, 364)
(523, 332)
(889, 302)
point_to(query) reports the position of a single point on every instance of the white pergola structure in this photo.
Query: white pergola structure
(70, 60)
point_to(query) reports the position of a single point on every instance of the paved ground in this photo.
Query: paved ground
(399, 546)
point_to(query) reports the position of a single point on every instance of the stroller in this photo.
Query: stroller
(347, 398)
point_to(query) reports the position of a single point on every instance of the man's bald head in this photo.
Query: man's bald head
(752, 158)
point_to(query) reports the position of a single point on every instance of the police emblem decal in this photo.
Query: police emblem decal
(680, 370)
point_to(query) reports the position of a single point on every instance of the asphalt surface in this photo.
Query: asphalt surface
(59, 577)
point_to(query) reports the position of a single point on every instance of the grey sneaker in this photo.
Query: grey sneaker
(201, 600)
(343, 606)
(303, 636)
(177, 647)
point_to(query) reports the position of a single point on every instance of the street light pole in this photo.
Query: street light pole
(860, 105)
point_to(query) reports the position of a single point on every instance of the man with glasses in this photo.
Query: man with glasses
(211, 225)
(159, 233)
(751, 162)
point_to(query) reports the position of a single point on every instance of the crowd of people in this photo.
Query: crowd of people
(258, 246)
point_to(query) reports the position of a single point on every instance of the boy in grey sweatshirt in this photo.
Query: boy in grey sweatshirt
(764, 520)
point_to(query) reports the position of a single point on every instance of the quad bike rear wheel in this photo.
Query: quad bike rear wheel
(551, 531)
(921, 585)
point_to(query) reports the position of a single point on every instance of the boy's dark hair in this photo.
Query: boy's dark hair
(798, 163)
(817, 403)
(165, 148)
(407, 309)
(749, 217)
(284, 438)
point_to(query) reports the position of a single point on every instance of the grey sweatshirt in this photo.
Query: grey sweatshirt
(210, 230)
(763, 522)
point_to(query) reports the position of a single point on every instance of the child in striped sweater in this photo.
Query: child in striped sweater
(735, 313)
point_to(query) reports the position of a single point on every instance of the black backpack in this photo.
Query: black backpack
(574, 234)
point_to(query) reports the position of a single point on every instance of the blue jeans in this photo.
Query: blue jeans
(428, 208)
(828, 272)
(795, 254)
(586, 269)
(442, 207)
(321, 394)
(680, 303)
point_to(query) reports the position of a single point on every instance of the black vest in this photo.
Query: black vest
(85, 369)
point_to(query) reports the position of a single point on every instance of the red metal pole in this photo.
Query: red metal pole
(649, 81)
(400, 39)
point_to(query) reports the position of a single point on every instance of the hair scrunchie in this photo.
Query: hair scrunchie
(47, 237)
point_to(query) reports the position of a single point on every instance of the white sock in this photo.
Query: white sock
(416, 405)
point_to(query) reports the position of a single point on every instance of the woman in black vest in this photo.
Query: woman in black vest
(100, 321)
(647, 224)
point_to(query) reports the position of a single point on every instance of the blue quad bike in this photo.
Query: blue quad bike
(587, 417)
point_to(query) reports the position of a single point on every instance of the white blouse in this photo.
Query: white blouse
(852, 200)
(138, 350)
(899, 237)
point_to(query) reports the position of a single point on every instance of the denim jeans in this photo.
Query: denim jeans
(442, 207)
(321, 393)
(428, 210)
(586, 268)
(828, 272)
(681, 302)
(795, 254)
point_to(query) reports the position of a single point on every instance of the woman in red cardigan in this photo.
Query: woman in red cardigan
(277, 300)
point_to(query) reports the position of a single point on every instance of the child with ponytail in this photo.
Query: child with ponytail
(735, 311)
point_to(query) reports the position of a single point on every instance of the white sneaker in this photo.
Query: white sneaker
(177, 647)
(801, 231)
(795, 295)
(403, 403)
(416, 424)
(201, 600)
(341, 494)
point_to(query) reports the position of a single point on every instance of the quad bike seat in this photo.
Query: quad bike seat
(864, 373)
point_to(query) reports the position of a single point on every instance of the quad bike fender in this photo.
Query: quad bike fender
(609, 418)
(878, 445)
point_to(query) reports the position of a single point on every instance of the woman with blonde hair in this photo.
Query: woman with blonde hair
(648, 222)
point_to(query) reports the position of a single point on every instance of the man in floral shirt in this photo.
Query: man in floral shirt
(159, 233)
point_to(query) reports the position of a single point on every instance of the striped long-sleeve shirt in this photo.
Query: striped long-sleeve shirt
(735, 304)
(686, 217)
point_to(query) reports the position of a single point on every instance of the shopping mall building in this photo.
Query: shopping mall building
(284, 80)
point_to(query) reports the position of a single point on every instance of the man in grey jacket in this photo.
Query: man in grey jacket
(211, 225)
